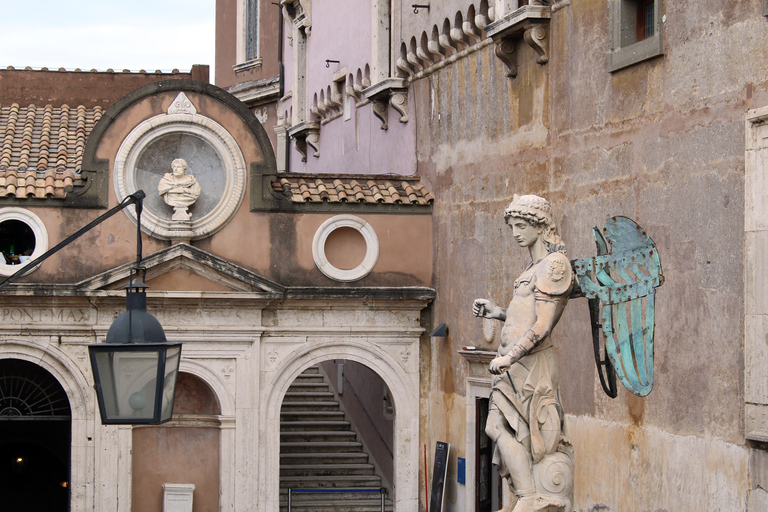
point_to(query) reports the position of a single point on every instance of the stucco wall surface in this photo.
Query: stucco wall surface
(620, 467)
(661, 142)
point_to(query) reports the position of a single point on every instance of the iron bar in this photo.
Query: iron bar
(136, 198)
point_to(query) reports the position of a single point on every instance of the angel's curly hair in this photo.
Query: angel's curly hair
(538, 212)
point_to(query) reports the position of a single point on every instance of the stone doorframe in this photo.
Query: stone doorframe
(478, 386)
(400, 372)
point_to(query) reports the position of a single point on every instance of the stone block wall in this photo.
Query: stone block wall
(661, 142)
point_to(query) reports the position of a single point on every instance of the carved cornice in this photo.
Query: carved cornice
(481, 357)
(306, 134)
(530, 24)
(391, 91)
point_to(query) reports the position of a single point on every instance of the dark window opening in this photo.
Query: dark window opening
(488, 486)
(646, 26)
(17, 241)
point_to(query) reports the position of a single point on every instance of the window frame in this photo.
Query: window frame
(248, 53)
(626, 50)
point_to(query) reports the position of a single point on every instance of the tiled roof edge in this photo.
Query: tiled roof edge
(386, 193)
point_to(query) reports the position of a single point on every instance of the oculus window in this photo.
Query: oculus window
(22, 238)
(636, 32)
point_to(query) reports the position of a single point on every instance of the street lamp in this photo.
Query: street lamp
(135, 370)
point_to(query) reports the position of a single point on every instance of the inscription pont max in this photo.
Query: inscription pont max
(24, 315)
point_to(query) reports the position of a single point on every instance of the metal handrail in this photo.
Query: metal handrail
(337, 490)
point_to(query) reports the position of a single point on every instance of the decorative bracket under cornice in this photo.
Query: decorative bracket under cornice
(299, 12)
(306, 134)
(529, 23)
(390, 91)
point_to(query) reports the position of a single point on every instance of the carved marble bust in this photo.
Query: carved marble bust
(179, 189)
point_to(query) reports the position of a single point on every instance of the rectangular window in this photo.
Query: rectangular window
(755, 276)
(636, 32)
(252, 30)
(645, 20)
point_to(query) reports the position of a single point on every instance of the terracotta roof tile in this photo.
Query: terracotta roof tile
(41, 149)
(340, 188)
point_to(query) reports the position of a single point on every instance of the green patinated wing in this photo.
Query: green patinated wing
(623, 281)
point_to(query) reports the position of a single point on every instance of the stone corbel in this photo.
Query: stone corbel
(299, 12)
(529, 24)
(391, 91)
(306, 134)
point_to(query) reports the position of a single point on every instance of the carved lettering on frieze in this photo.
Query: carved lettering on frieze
(53, 315)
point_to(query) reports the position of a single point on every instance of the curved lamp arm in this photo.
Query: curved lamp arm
(137, 198)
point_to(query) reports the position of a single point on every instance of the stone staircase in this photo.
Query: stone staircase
(319, 449)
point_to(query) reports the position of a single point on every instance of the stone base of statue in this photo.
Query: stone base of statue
(553, 479)
(181, 213)
(181, 229)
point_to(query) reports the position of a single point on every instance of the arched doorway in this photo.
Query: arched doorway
(393, 364)
(337, 438)
(35, 439)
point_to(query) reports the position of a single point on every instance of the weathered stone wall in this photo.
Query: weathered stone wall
(661, 142)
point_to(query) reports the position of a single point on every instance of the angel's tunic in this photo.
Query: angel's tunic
(526, 392)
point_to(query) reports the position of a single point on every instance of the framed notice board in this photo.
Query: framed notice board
(439, 470)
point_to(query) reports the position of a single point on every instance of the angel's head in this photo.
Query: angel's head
(537, 212)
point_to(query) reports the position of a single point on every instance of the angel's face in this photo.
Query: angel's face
(524, 233)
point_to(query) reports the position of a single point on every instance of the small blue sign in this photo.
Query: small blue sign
(461, 471)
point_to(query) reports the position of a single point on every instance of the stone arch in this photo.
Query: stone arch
(214, 381)
(73, 379)
(402, 383)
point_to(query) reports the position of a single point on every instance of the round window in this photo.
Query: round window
(22, 238)
(345, 248)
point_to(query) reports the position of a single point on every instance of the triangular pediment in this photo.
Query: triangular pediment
(182, 267)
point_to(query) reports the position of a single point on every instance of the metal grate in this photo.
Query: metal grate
(27, 391)
(650, 24)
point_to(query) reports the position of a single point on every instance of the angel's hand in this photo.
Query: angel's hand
(500, 364)
(483, 308)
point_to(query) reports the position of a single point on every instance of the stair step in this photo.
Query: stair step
(324, 446)
(311, 415)
(294, 441)
(324, 458)
(312, 425)
(326, 469)
(309, 404)
(295, 394)
(350, 437)
(308, 387)
(309, 396)
(306, 435)
(310, 481)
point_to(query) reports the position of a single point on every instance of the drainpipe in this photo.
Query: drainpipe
(281, 76)
(280, 49)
